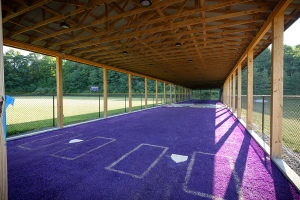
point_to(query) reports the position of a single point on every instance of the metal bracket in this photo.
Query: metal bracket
(1, 105)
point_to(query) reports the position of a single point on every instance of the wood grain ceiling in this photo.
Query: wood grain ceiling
(213, 34)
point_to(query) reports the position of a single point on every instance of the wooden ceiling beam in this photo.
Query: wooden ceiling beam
(104, 20)
(25, 9)
(166, 18)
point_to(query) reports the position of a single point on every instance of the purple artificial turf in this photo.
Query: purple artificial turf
(129, 157)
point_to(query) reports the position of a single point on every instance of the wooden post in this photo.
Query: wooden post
(156, 92)
(171, 93)
(146, 93)
(239, 107)
(230, 93)
(130, 92)
(105, 110)
(175, 94)
(3, 150)
(233, 91)
(277, 86)
(210, 93)
(165, 98)
(59, 91)
(250, 90)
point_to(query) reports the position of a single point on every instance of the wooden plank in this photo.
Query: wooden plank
(105, 95)
(165, 97)
(59, 86)
(130, 92)
(230, 92)
(146, 93)
(277, 87)
(156, 92)
(36, 4)
(239, 106)
(3, 149)
(233, 92)
(249, 90)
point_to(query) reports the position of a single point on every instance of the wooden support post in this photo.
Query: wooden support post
(3, 150)
(277, 86)
(146, 93)
(156, 92)
(233, 91)
(165, 98)
(130, 92)
(175, 95)
(230, 93)
(250, 90)
(105, 87)
(171, 93)
(239, 106)
(59, 91)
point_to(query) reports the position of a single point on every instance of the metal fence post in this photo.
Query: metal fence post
(99, 106)
(53, 110)
(263, 114)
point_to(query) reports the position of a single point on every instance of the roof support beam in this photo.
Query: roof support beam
(105, 95)
(239, 103)
(130, 92)
(146, 92)
(3, 149)
(277, 87)
(233, 92)
(59, 90)
(249, 90)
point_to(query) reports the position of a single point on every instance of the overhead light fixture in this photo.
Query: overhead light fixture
(145, 3)
(125, 52)
(178, 44)
(65, 24)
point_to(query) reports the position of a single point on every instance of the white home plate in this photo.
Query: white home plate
(179, 158)
(75, 141)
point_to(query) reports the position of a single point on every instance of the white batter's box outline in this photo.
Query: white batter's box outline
(58, 141)
(210, 196)
(68, 158)
(110, 167)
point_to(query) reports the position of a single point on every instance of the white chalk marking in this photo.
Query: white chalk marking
(110, 167)
(23, 146)
(75, 141)
(179, 158)
(68, 158)
(210, 196)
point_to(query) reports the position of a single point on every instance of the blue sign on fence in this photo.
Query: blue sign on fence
(94, 89)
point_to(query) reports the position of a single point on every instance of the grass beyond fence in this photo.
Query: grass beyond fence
(31, 113)
(290, 120)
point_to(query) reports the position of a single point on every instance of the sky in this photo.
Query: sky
(291, 37)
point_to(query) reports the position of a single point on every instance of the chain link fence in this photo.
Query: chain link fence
(290, 125)
(37, 112)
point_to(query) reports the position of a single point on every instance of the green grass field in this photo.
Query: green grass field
(31, 113)
(290, 123)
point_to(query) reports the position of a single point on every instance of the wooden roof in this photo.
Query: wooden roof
(213, 34)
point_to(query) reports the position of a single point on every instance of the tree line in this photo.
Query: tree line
(35, 73)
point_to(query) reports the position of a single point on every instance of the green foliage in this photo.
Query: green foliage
(36, 73)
